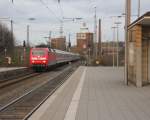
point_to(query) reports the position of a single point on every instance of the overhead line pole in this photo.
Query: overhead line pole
(117, 45)
(95, 35)
(139, 7)
(114, 31)
(11, 21)
(69, 43)
(61, 21)
(50, 34)
(99, 39)
(28, 42)
(127, 22)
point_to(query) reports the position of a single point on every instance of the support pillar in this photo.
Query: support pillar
(138, 56)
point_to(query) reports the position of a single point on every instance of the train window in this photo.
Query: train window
(38, 52)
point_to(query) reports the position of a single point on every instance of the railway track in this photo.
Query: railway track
(23, 107)
(6, 83)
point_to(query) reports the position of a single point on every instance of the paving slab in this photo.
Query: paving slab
(96, 93)
(56, 106)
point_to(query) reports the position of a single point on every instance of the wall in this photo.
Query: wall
(135, 55)
(149, 62)
(146, 54)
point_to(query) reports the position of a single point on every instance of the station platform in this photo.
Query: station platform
(4, 69)
(96, 93)
(12, 72)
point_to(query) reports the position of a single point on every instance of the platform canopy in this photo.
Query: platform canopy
(144, 20)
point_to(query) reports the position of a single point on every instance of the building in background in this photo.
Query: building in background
(74, 49)
(109, 53)
(58, 43)
(85, 41)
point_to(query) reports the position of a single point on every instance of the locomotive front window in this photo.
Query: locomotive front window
(38, 52)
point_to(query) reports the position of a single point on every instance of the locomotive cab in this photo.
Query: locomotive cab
(38, 58)
(43, 58)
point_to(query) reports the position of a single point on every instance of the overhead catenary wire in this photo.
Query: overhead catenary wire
(91, 4)
(61, 10)
(43, 3)
(17, 10)
(62, 21)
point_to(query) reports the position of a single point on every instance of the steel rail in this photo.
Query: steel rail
(28, 103)
(6, 83)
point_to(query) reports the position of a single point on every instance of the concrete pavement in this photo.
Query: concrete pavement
(96, 93)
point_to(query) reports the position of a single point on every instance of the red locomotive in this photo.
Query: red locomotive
(46, 57)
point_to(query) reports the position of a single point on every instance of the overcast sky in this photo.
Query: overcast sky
(48, 19)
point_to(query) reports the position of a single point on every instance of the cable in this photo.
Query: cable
(62, 22)
(61, 10)
(50, 10)
(17, 10)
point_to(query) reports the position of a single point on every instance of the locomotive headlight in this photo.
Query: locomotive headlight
(34, 58)
(43, 58)
(44, 61)
(33, 61)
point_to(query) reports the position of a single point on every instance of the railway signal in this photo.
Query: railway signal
(24, 43)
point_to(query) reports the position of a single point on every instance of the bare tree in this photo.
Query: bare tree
(6, 39)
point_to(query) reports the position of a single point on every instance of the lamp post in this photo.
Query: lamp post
(118, 23)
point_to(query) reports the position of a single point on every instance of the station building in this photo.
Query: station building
(59, 43)
(139, 51)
